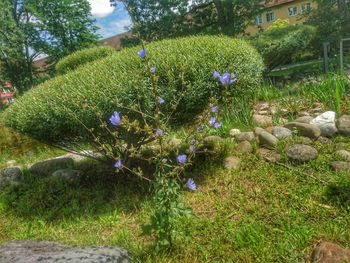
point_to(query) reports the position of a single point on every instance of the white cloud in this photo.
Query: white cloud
(101, 8)
(114, 27)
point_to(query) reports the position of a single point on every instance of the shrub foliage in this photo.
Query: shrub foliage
(279, 45)
(60, 110)
(81, 57)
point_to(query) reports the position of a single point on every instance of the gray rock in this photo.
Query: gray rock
(345, 155)
(267, 139)
(324, 140)
(68, 174)
(304, 140)
(281, 132)
(262, 120)
(232, 163)
(46, 168)
(245, 136)
(269, 155)
(244, 147)
(301, 153)
(340, 166)
(50, 252)
(328, 130)
(326, 123)
(343, 125)
(304, 129)
(11, 175)
(209, 140)
(234, 132)
(258, 130)
(327, 252)
(304, 119)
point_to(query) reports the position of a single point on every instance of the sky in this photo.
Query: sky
(110, 20)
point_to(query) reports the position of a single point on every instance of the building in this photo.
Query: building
(292, 10)
(7, 94)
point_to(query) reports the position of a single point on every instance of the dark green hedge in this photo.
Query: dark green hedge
(81, 57)
(54, 110)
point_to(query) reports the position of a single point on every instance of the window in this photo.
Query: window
(292, 11)
(305, 8)
(270, 16)
(258, 20)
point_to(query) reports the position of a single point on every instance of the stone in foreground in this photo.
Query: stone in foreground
(232, 163)
(281, 132)
(343, 125)
(304, 129)
(245, 136)
(327, 252)
(50, 252)
(301, 153)
(340, 166)
(244, 147)
(11, 175)
(262, 120)
(46, 168)
(344, 154)
(267, 139)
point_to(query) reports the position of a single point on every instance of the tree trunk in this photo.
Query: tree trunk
(221, 14)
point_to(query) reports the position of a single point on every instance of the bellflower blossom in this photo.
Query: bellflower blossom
(115, 119)
(226, 79)
(161, 100)
(118, 164)
(214, 109)
(142, 53)
(214, 123)
(191, 184)
(182, 158)
(192, 148)
(153, 69)
(159, 132)
(216, 74)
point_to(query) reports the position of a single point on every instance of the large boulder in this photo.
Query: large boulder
(70, 175)
(46, 168)
(10, 175)
(326, 123)
(301, 153)
(343, 125)
(50, 252)
(304, 129)
(327, 252)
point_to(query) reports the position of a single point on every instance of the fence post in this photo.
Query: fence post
(341, 50)
(325, 57)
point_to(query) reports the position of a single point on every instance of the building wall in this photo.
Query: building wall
(281, 12)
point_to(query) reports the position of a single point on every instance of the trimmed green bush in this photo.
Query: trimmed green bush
(57, 110)
(280, 45)
(81, 57)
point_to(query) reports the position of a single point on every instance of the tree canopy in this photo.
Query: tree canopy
(31, 27)
(154, 19)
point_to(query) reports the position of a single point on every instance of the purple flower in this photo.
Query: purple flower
(217, 125)
(142, 53)
(118, 164)
(153, 69)
(161, 100)
(115, 119)
(191, 184)
(216, 74)
(182, 158)
(226, 79)
(192, 148)
(159, 132)
(214, 109)
(212, 121)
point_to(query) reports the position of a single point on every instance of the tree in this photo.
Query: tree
(31, 27)
(157, 19)
(332, 18)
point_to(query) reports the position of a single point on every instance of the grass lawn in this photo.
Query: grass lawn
(261, 213)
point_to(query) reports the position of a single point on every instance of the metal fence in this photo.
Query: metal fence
(344, 49)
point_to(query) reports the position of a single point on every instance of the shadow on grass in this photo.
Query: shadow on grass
(53, 199)
(338, 193)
